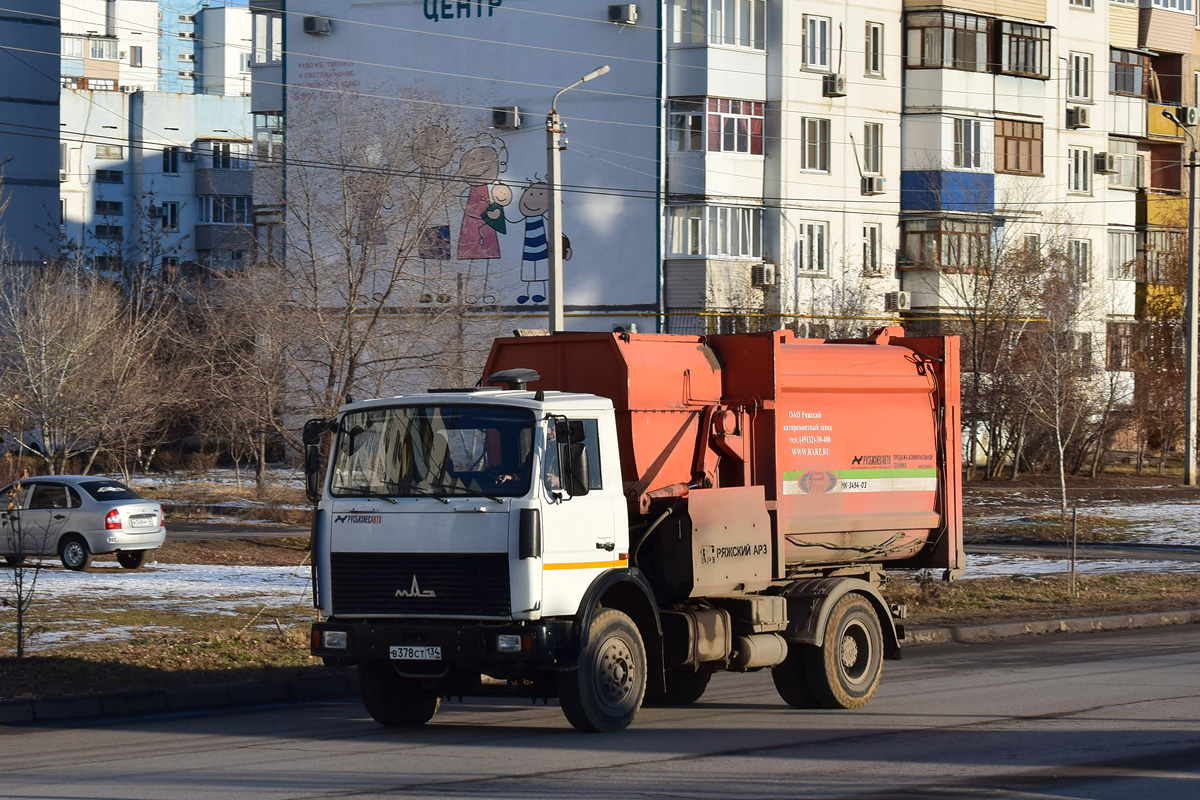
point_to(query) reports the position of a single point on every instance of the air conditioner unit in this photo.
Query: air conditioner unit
(506, 117)
(189, 156)
(763, 274)
(872, 184)
(317, 26)
(897, 301)
(1079, 117)
(1106, 163)
(1188, 115)
(834, 85)
(157, 212)
(623, 13)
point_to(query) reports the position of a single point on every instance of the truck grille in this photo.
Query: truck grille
(420, 584)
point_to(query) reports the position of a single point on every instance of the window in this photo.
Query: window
(1129, 165)
(268, 37)
(948, 40)
(1079, 170)
(110, 176)
(812, 243)
(103, 48)
(1173, 5)
(1018, 147)
(686, 125)
(1033, 245)
(64, 161)
(224, 210)
(244, 62)
(229, 260)
(872, 258)
(739, 23)
(110, 151)
(947, 244)
(1163, 249)
(169, 214)
(816, 42)
(814, 145)
(1079, 84)
(72, 46)
(1080, 253)
(1120, 339)
(872, 148)
(1080, 3)
(874, 50)
(967, 146)
(1126, 71)
(1122, 255)
(687, 21)
(135, 56)
(113, 233)
(109, 208)
(268, 136)
(170, 160)
(735, 126)
(230, 155)
(715, 231)
(1025, 49)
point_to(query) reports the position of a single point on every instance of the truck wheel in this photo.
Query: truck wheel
(845, 671)
(606, 691)
(392, 700)
(73, 552)
(791, 677)
(684, 687)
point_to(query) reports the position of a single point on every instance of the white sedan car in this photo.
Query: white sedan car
(76, 517)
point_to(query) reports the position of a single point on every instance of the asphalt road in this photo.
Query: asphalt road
(1098, 716)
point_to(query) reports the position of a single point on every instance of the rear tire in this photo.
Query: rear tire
(74, 553)
(844, 672)
(606, 690)
(393, 700)
(684, 687)
(132, 559)
(791, 677)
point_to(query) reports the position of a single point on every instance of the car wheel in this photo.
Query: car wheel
(74, 552)
(132, 559)
(606, 691)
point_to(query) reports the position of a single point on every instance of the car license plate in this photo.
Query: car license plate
(142, 522)
(405, 653)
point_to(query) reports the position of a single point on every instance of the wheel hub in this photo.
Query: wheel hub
(615, 672)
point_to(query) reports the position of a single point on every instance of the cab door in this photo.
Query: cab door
(580, 531)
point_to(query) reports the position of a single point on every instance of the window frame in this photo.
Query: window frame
(873, 50)
(715, 232)
(1017, 141)
(1079, 170)
(1024, 49)
(170, 160)
(815, 42)
(958, 245)
(1079, 77)
(217, 209)
(815, 149)
(1122, 269)
(968, 143)
(872, 148)
(1079, 251)
(812, 248)
(938, 40)
(1129, 73)
(872, 248)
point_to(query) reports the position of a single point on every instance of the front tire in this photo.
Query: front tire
(605, 692)
(845, 671)
(132, 559)
(393, 700)
(74, 553)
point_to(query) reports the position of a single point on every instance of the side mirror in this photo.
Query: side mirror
(314, 430)
(576, 474)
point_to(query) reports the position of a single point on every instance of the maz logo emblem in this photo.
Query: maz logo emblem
(415, 591)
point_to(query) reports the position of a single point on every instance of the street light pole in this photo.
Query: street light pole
(1190, 313)
(555, 144)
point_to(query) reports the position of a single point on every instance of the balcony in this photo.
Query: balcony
(1161, 210)
(1158, 301)
(1158, 125)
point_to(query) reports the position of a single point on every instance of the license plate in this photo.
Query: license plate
(401, 652)
(143, 522)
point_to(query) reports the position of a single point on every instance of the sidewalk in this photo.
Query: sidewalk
(341, 683)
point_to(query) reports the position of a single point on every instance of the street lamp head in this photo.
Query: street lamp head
(1169, 114)
(596, 73)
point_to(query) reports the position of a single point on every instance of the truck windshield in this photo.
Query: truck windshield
(439, 451)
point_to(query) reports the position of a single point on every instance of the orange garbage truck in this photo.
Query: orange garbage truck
(609, 519)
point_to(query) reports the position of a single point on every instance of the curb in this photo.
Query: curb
(330, 685)
(1005, 630)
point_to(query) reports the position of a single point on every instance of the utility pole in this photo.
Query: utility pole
(1189, 312)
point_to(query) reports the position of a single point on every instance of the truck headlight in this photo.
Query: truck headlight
(334, 640)
(508, 643)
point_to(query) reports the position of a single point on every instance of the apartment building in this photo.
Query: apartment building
(155, 135)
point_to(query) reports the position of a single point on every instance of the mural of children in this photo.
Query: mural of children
(535, 257)
(493, 216)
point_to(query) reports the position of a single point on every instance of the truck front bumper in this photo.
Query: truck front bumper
(488, 648)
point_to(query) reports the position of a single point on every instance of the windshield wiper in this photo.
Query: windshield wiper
(423, 492)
